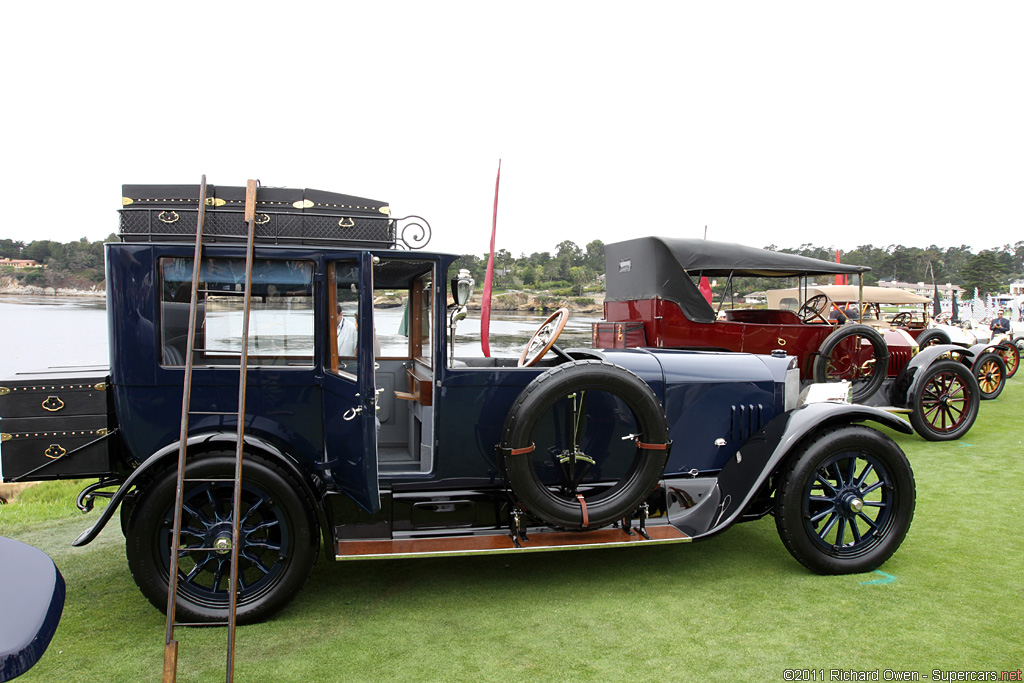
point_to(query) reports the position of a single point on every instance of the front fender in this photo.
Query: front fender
(760, 457)
(167, 456)
(986, 347)
(910, 377)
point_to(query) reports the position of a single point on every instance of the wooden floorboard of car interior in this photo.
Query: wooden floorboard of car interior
(502, 542)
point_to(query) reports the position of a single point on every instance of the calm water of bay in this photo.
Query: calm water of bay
(46, 331)
(43, 332)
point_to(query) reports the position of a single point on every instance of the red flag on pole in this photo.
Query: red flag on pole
(840, 280)
(705, 286)
(485, 308)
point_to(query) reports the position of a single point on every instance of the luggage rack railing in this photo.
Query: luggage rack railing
(276, 228)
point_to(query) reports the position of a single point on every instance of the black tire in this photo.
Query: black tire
(845, 501)
(279, 548)
(932, 337)
(839, 358)
(1010, 354)
(944, 403)
(990, 371)
(1019, 343)
(556, 450)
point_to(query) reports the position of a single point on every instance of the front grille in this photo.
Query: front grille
(899, 358)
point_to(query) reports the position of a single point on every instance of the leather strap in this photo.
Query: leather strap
(583, 504)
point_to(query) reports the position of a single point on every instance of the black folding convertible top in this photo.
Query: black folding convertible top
(664, 267)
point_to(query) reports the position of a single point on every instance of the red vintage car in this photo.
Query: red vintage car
(653, 299)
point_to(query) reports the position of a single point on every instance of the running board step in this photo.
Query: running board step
(503, 543)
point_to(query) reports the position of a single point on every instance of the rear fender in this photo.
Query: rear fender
(760, 457)
(167, 457)
(910, 377)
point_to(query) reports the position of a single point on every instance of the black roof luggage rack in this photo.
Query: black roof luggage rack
(169, 213)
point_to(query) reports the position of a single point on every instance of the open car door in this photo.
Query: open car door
(350, 424)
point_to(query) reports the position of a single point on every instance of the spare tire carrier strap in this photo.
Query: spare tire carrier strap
(583, 504)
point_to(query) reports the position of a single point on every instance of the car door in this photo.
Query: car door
(350, 425)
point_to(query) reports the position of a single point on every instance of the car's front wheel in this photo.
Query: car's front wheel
(990, 370)
(845, 502)
(1010, 354)
(944, 404)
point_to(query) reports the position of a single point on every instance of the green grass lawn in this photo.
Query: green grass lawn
(736, 607)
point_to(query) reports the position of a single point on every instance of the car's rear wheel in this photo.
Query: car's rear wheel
(990, 371)
(584, 444)
(278, 541)
(845, 502)
(857, 353)
(944, 403)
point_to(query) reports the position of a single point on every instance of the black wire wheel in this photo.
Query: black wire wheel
(857, 353)
(990, 371)
(584, 444)
(932, 337)
(944, 403)
(278, 540)
(845, 501)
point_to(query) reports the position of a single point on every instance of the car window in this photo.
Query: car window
(343, 305)
(280, 318)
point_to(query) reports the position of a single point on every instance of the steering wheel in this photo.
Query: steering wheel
(544, 338)
(813, 308)
(902, 319)
(942, 318)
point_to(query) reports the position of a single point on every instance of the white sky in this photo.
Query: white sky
(838, 124)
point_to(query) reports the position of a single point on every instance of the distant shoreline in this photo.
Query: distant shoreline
(525, 301)
(32, 290)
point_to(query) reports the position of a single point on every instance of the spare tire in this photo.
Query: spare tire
(842, 356)
(584, 444)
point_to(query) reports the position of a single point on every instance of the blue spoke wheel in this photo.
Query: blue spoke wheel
(845, 502)
(277, 540)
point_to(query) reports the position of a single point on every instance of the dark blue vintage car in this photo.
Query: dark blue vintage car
(365, 436)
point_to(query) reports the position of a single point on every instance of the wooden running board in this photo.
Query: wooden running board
(503, 543)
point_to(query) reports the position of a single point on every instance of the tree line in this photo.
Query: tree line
(990, 270)
(577, 270)
(570, 268)
(67, 264)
